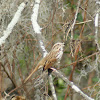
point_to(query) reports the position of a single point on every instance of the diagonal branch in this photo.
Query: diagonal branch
(74, 87)
(11, 25)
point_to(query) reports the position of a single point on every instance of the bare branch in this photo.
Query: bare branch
(36, 26)
(37, 30)
(96, 20)
(75, 19)
(52, 87)
(12, 23)
(71, 84)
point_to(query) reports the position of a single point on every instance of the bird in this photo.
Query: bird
(54, 56)
(18, 98)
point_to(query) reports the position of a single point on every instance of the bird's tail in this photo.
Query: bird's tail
(36, 68)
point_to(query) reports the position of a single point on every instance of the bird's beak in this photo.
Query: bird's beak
(63, 44)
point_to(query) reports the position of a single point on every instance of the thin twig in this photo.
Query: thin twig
(72, 28)
(8, 74)
(80, 60)
(87, 13)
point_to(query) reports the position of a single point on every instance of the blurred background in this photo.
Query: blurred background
(20, 53)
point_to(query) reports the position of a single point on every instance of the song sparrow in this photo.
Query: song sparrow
(50, 59)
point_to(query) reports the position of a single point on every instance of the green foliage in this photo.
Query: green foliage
(26, 49)
(70, 5)
(22, 64)
(76, 35)
(95, 79)
(60, 82)
(90, 37)
(60, 97)
(24, 58)
(67, 70)
(77, 71)
(79, 17)
(73, 6)
(60, 88)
